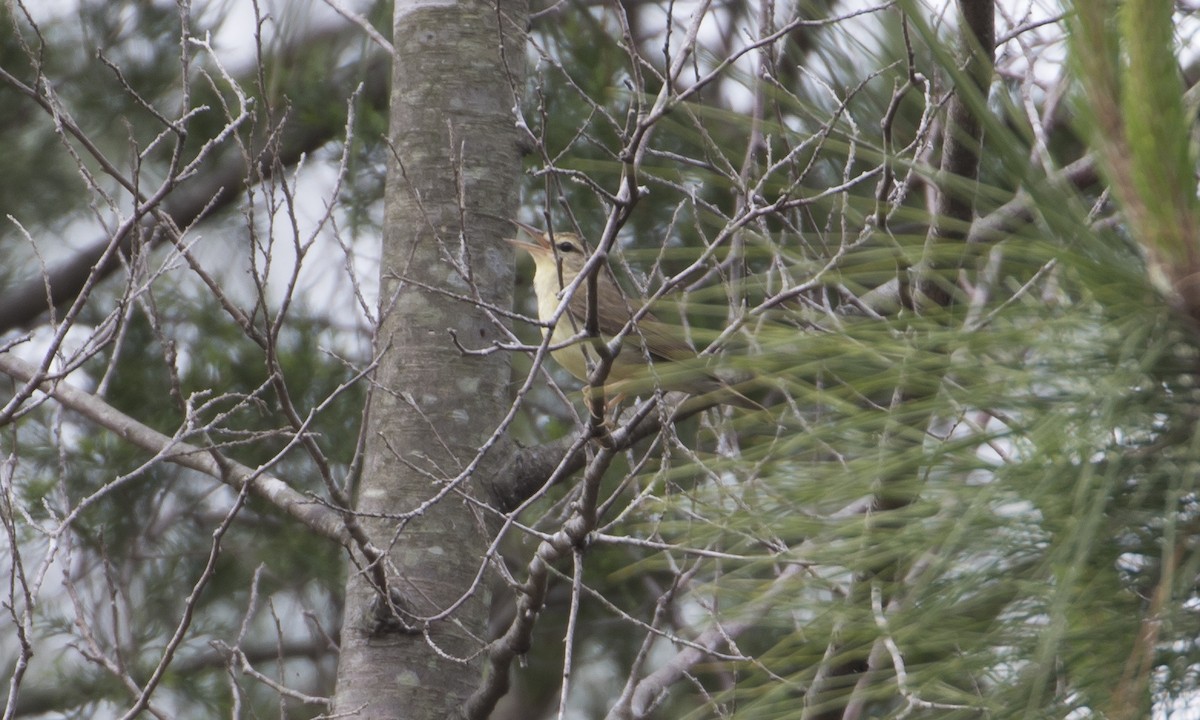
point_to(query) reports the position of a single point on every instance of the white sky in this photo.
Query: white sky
(234, 43)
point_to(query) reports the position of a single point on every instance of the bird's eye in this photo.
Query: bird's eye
(565, 247)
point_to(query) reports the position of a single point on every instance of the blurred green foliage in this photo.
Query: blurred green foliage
(1032, 455)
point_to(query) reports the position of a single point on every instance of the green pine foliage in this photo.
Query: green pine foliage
(984, 510)
(987, 505)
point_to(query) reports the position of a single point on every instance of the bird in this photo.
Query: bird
(652, 354)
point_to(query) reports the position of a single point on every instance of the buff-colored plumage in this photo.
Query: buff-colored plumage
(673, 365)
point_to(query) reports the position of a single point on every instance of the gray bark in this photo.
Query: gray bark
(452, 177)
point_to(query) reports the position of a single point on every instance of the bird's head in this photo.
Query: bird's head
(566, 248)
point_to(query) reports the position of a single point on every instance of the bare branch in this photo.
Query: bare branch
(315, 515)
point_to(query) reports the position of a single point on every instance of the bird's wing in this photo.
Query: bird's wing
(612, 306)
(662, 339)
(614, 310)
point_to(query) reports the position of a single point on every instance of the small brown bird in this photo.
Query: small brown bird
(673, 364)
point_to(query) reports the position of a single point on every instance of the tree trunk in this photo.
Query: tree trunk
(451, 178)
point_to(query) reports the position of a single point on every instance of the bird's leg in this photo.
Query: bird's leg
(597, 415)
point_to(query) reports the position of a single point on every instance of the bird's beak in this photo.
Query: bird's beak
(542, 246)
